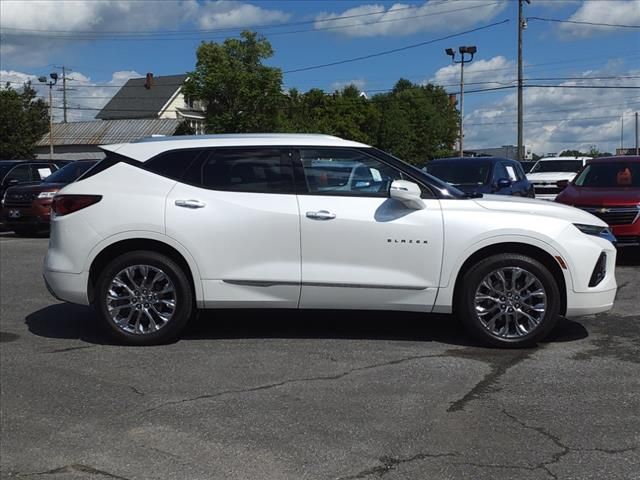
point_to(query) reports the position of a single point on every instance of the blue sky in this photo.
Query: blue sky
(107, 42)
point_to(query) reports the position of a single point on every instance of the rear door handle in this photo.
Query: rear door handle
(190, 203)
(321, 215)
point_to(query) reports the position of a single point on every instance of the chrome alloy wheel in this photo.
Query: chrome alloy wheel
(141, 299)
(510, 302)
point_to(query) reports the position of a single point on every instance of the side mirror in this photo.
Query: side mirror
(562, 183)
(503, 183)
(408, 193)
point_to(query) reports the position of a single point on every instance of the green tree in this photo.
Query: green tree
(240, 94)
(23, 121)
(593, 152)
(345, 113)
(417, 122)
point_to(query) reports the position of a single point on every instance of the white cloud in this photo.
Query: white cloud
(402, 19)
(359, 83)
(84, 97)
(558, 118)
(624, 12)
(227, 14)
(498, 71)
(25, 23)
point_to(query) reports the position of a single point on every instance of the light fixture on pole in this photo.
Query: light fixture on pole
(471, 51)
(51, 83)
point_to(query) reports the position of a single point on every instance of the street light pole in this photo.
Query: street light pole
(522, 24)
(471, 50)
(51, 83)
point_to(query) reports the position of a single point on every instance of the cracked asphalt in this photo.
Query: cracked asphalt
(311, 395)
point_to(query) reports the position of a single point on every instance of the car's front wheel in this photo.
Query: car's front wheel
(508, 300)
(144, 298)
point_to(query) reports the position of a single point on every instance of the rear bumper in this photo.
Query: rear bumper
(68, 287)
(36, 215)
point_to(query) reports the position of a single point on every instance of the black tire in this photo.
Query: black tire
(465, 308)
(183, 298)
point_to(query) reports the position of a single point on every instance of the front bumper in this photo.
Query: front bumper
(579, 304)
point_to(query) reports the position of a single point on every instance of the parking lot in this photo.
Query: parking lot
(312, 395)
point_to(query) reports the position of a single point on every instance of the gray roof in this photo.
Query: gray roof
(133, 100)
(108, 131)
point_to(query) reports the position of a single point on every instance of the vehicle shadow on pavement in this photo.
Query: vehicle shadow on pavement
(68, 321)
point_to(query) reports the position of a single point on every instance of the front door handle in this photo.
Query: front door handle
(190, 203)
(321, 215)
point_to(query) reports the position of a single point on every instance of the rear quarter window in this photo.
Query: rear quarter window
(174, 163)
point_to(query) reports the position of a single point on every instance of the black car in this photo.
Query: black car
(13, 172)
(26, 208)
(500, 176)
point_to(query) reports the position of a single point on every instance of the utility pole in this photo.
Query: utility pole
(471, 50)
(622, 133)
(522, 24)
(64, 94)
(51, 83)
(637, 151)
(64, 91)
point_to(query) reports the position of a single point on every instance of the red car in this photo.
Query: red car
(27, 207)
(609, 188)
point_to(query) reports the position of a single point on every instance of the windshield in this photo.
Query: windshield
(460, 172)
(69, 172)
(609, 175)
(557, 166)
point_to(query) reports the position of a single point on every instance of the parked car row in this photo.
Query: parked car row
(608, 187)
(495, 175)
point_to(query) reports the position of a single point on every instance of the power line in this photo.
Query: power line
(395, 50)
(545, 120)
(158, 35)
(557, 20)
(606, 87)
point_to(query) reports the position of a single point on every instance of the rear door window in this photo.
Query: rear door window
(255, 170)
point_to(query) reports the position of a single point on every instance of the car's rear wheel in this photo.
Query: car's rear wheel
(508, 300)
(144, 298)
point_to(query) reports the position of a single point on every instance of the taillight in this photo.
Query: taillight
(64, 204)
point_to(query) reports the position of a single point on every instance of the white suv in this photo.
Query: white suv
(548, 171)
(163, 227)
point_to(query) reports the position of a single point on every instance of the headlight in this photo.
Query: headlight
(602, 232)
(47, 194)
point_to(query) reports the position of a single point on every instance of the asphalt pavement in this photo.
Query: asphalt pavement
(311, 395)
